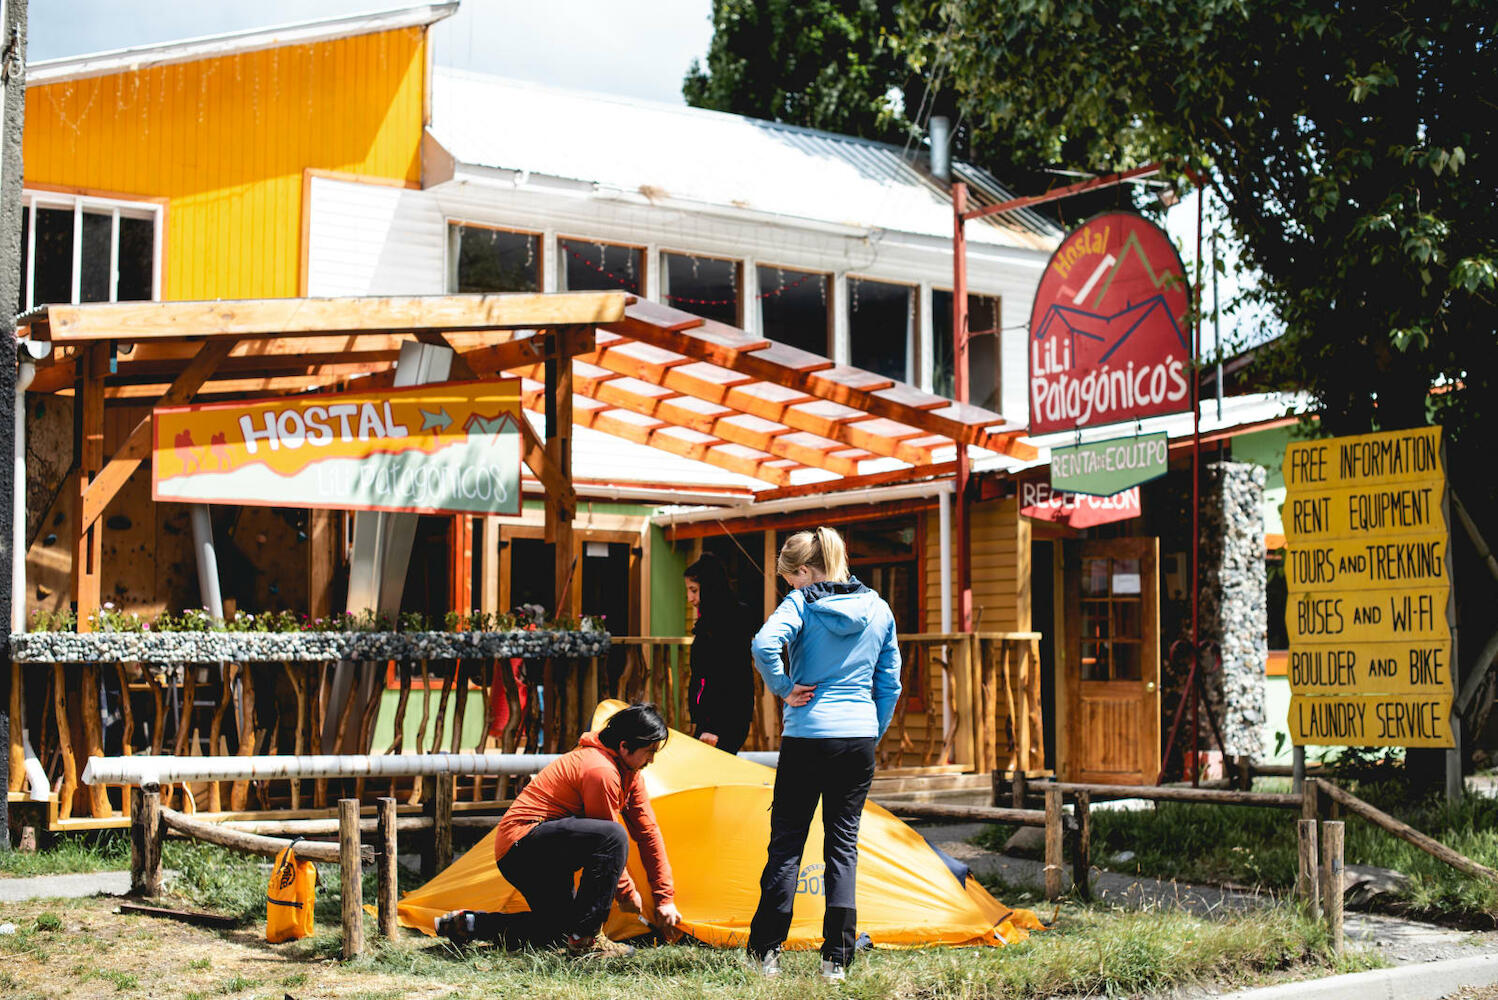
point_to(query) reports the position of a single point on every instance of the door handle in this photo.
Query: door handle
(1150, 686)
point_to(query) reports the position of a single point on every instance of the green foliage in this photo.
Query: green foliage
(1345, 142)
(98, 851)
(110, 619)
(48, 922)
(1256, 847)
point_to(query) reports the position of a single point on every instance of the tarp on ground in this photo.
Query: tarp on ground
(714, 812)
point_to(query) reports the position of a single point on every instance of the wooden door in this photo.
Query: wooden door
(1112, 663)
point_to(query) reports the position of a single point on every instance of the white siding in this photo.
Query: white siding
(372, 239)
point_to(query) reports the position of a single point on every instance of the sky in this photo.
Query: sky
(636, 48)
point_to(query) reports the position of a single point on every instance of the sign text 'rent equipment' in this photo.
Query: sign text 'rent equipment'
(1367, 567)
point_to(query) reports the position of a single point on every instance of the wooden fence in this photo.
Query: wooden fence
(969, 699)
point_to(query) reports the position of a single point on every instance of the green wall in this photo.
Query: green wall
(667, 591)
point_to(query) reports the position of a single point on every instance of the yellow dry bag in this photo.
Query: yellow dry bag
(290, 898)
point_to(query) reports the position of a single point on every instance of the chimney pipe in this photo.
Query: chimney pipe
(940, 135)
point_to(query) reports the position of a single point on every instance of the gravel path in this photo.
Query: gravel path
(1402, 942)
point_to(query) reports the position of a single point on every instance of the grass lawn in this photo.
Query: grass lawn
(1256, 847)
(84, 949)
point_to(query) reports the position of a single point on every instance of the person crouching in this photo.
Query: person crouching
(568, 820)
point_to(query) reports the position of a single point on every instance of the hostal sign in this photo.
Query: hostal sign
(1108, 339)
(1368, 573)
(451, 448)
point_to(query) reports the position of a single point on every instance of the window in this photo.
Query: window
(793, 308)
(984, 372)
(879, 327)
(83, 249)
(1112, 629)
(705, 286)
(484, 259)
(601, 267)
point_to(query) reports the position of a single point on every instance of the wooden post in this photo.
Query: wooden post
(1053, 840)
(1082, 858)
(145, 842)
(1331, 875)
(385, 866)
(322, 559)
(93, 734)
(560, 510)
(442, 821)
(69, 785)
(350, 881)
(1310, 805)
(1307, 886)
(88, 449)
(1018, 786)
(17, 723)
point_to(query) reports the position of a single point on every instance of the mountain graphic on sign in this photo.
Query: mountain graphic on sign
(1138, 299)
(481, 426)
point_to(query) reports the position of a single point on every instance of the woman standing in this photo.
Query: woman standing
(721, 695)
(840, 687)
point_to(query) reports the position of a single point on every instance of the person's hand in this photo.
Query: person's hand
(668, 914)
(800, 694)
(711, 739)
(630, 903)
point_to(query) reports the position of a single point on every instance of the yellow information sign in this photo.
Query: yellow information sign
(1369, 582)
(1371, 667)
(1383, 720)
(1375, 564)
(1366, 460)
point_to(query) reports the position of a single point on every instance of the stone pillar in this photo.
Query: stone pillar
(1233, 600)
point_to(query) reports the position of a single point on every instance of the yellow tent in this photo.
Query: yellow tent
(714, 812)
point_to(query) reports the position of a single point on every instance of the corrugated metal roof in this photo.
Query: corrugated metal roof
(682, 155)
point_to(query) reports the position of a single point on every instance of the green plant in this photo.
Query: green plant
(48, 922)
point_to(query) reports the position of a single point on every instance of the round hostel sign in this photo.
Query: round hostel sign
(1108, 339)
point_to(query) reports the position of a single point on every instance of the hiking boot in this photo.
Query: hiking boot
(599, 946)
(457, 926)
(767, 965)
(832, 972)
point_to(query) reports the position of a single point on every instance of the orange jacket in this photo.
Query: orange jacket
(591, 782)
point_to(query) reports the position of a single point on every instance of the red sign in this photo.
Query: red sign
(1108, 337)
(1076, 510)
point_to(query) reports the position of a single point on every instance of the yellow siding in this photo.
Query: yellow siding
(226, 142)
(1000, 568)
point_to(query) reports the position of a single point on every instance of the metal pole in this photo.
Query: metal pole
(1196, 458)
(202, 546)
(960, 393)
(1216, 324)
(944, 522)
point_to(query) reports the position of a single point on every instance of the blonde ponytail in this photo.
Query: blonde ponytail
(822, 550)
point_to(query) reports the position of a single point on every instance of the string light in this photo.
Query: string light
(628, 283)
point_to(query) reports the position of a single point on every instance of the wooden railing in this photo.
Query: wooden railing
(969, 699)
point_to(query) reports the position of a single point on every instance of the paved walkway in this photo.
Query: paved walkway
(13, 890)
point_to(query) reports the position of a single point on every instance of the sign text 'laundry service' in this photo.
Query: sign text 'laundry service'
(451, 448)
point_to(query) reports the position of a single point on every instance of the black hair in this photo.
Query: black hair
(713, 586)
(637, 726)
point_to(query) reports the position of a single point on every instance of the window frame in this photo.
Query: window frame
(829, 291)
(81, 202)
(643, 250)
(913, 359)
(450, 246)
(930, 363)
(740, 309)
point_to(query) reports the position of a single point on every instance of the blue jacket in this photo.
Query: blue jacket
(842, 639)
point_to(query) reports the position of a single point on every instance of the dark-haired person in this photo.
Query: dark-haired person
(840, 685)
(721, 691)
(578, 814)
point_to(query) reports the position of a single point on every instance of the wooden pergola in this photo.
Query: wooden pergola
(627, 367)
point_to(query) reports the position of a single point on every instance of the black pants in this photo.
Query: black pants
(731, 741)
(837, 772)
(541, 865)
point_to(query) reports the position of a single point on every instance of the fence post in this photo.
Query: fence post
(1017, 788)
(385, 866)
(442, 821)
(1310, 805)
(1307, 885)
(1081, 876)
(145, 842)
(1331, 874)
(1053, 835)
(350, 880)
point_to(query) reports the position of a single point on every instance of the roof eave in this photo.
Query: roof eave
(234, 43)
